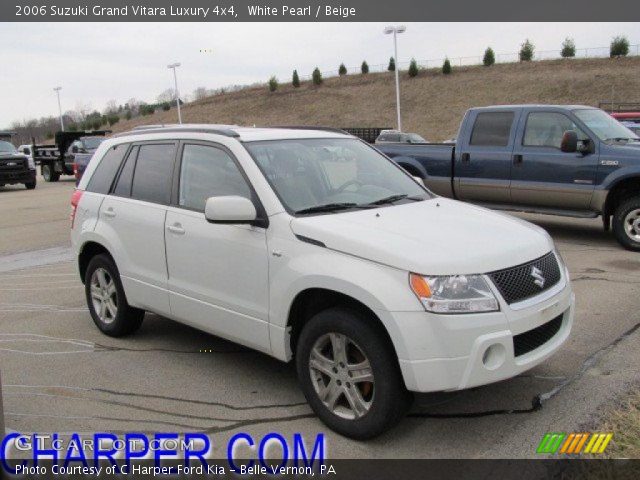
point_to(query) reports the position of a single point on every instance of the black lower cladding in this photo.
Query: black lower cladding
(527, 280)
(532, 339)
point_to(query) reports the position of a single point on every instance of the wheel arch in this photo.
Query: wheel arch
(620, 190)
(412, 166)
(89, 250)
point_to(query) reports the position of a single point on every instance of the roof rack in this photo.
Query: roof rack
(304, 127)
(227, 132)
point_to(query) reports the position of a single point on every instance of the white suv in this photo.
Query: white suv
(310, 244)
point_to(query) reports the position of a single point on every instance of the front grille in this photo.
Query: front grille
(12, 165)
(519, 283)
(529, 341)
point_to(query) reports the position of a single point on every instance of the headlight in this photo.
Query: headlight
(32, 164)
(454, 294)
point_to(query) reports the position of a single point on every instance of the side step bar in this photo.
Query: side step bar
(540, 210)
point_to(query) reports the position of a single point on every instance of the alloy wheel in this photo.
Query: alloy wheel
(632, 225)
(104, 295)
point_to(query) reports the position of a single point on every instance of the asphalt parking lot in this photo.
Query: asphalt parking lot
(60, 374)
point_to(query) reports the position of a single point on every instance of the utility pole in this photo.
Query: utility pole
(396, 30)
(57, 90)
(173, 66)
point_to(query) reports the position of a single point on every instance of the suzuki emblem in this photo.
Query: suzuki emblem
(536, 273)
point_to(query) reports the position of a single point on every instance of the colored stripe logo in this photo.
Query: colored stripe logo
(574, 443)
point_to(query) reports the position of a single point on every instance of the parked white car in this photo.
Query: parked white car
(311, 245)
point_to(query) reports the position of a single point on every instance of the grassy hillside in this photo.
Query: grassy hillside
(432, 103)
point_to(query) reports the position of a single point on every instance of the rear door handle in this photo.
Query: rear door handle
(517, 159)
(176, 228)
(465, 157)
(109, 212)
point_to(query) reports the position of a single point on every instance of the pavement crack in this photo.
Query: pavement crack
(112, 348)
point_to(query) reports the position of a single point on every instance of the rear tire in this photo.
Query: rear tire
(49, 174)
(359, 394)
(626, 223)
(106, 299)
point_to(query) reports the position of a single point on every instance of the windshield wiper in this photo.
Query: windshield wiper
(329, 207)
(394, 198)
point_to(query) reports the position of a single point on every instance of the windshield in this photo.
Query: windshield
(316, 173)
(604, 125)
(415, 138)
(6, 147)
(91, 143)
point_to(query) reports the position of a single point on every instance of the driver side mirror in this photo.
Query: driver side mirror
(569, 142)
(230, 209)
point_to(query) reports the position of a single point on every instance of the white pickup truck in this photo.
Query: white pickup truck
(310, 245)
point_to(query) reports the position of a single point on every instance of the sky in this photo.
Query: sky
(97, 62)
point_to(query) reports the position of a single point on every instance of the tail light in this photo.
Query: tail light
(75, 170)
(75, 200)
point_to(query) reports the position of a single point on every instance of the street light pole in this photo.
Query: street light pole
(173, 66)
(57, 90)
(396, 30)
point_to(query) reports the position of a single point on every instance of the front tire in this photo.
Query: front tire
(106, 299)
(626, 223)
(30, 185)
(49, 173)
(349, 374)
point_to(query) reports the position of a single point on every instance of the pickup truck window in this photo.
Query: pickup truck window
(603, 125)
(208, 172)
(492, 129)
(7, 147)
(545, 129)
(102, 177)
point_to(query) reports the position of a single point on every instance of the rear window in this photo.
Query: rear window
(104, 173)
(153, 173)
(492, 129)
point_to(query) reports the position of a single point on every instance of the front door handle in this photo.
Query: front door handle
(109, 212)
(517, 159)
(465, 157)
(176, 228)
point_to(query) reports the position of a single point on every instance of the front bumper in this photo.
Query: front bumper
(454, 352)
(22, 176)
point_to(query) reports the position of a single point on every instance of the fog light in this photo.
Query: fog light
(494, 356)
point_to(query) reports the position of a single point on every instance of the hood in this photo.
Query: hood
(631, 149)
(432, 237)
(13, 155)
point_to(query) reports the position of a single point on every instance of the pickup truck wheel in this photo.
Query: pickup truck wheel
(626, 223)
(106, 299)
(49, 174)
(349, 374)
(30, 185)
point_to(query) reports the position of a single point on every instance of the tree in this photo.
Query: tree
(166, 106)
(568, 48)
(168, 95)
(316, 76)
(364, 68)
(200, 93)
(489, 57)
(128, 115)
(446, 67)
(342, 70)
(392, 65)
(112, 107)
(296, 80)
(113, 119)
(619, 47)
(526, 51)
(273, 84)
(413, 68)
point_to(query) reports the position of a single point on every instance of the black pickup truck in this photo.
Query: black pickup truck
(574, 161)
(15, 167)
(59, 158)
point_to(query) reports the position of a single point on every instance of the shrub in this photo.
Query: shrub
(568, 48)
(364, 68)
(147, 109)
(316, 76)
(619, 47)
(446, 67)
(273, 84)
(526, 51)
(50, 134)
(166, 106)
(342, 70)
(392, 65)
(489, 57)
(128, 115)
(296, 80)
(413, 68)
(96, 124)
(113, 119)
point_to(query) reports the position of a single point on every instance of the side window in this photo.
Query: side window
(153, 173)
(123, 185)
(545, 129)
(492, 129)
(106, 170)
(208, 172)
